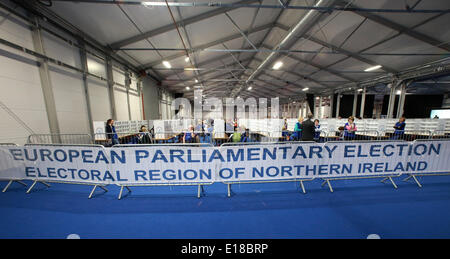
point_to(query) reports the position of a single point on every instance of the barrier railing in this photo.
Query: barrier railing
(229, 183)
(327, 180)
(410, 137)
(440, 134)
(45, 182)
(60, 139)
(358, 135)
(2, 163)
(200, 189)
(440, 160)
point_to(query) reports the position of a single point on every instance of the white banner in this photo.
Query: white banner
(187, 164)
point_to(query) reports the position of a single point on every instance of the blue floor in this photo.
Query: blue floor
(276, 210)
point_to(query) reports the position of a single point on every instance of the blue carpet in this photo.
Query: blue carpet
(272, 210)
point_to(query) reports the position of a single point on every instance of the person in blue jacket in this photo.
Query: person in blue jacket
(297, 135)
(190, 136)
(399, 129)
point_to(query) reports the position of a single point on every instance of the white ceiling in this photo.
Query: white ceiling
(109, 24)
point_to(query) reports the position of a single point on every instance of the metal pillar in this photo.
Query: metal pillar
(109, 75)
(84, 67)
(401, 101)
(338, 104)
(319, 114)
(390, 112)
(330, 112)
(355, 102)
(46, 84)
(127, 85)
(363, 103)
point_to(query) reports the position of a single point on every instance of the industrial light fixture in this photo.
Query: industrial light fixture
(167, 64)
(249, 88)
(399, 91)
(277, 65)
(196, 80)
(188, 88)
(360, 90)
(186, 59)
(372, 68)
(305, 89)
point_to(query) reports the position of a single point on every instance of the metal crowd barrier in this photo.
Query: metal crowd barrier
(102, 186)
(200, 189)
(371, 136)
(11, 181)
(60, 139)
(326, 180)
(229, 183)
(414, 176)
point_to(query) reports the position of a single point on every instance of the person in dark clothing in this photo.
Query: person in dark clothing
(308, 129)
(317, 128)
(399, 129)
(111, 133)
(144, 137)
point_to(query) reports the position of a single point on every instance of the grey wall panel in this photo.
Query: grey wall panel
(98, 94)
(70, 101)
(151, 100)
(120, 97)
(22, 101)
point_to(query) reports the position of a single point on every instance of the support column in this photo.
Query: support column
(355, 102)
(401, 101)
(390, 112)
(338, 104)
(363, 103)
(84, 67)
(127, 85)
(319, 115)
(46, 84)
(330, 112)
(109, 75)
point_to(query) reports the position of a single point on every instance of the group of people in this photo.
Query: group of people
(304, 130)
(143, 137)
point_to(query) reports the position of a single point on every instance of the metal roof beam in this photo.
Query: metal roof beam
(171, 26)
(400, 28)
(210, 44)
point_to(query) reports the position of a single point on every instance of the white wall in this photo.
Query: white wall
(99, 99)
(22, 105)
(120, 98)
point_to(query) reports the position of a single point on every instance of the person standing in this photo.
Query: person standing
(317, 130)
(350, 129)
(297, 135)
(399, 129)
(144, 136)
(111, 133)
(308, 129)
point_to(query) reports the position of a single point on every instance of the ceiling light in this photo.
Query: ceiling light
(360, 90)
(372, 68)
(277, 65)
(188, 88)
(167, 64)
(249, 88)
(399, 92)
(186, 59)
(305, 89)
(196, 80)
